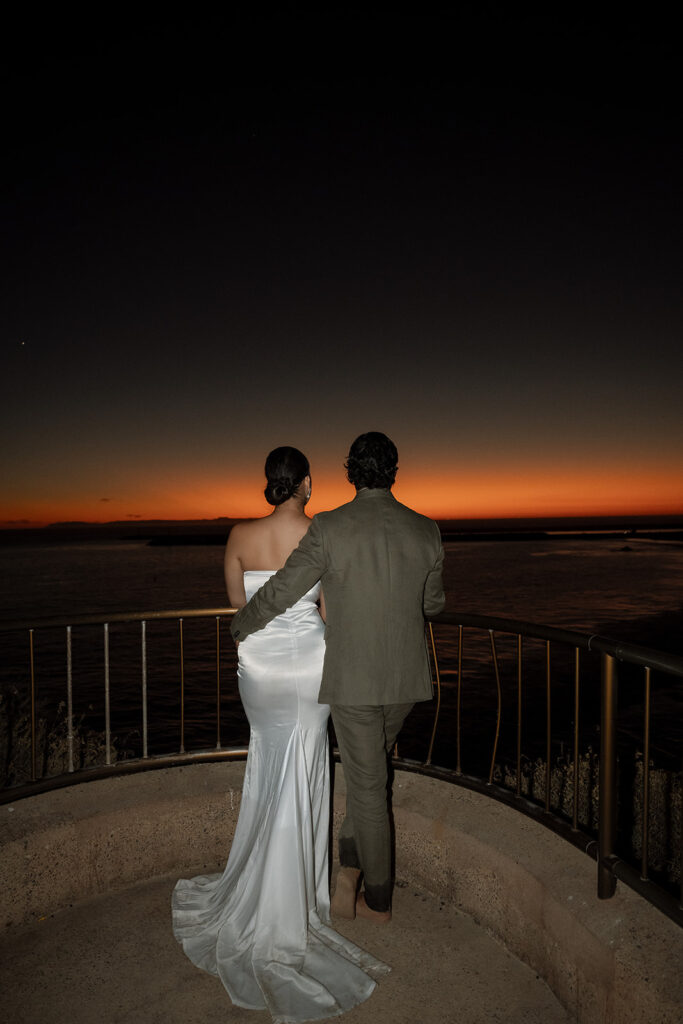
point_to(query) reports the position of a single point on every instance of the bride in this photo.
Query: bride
(263, 925)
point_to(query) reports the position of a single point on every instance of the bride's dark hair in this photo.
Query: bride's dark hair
(285, 469)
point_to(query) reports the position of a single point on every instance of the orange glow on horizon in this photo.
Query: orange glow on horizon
(468, 494)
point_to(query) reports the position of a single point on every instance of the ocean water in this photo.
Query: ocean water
(573, 582)
(628, 588)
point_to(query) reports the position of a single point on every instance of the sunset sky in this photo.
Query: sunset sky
(465, 233)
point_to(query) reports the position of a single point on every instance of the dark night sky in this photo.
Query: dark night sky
(227, 234)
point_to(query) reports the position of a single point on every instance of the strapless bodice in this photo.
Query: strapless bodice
(255, 578)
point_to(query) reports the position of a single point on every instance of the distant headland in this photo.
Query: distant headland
(170, 532)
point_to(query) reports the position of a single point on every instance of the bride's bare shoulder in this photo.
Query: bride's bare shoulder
(245, 532)
(247, 527)
(265, 543)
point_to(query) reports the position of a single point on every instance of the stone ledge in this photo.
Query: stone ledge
(103, 835)
(609, 962)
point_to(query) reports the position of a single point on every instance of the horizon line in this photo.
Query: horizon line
(24, 525)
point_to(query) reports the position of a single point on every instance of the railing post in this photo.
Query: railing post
(607, 823)
(144, 688)
(518, 779)
(577, 706)
(499, 706)
(107, 698)
(645, 840)
(218, 682)
(458, 766)
(182, 689)
(33, 707)
(548, 727)
(680, 862)
(438, 693)
(69, 700)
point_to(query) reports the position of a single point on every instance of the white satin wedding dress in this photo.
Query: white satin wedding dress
(263, 925)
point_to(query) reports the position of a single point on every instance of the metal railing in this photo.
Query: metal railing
(611, 866)
(143, 618)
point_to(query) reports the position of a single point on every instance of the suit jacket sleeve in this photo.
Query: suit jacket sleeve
(434, 598)
(301, 571)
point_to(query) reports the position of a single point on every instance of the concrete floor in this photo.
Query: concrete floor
(113, 960)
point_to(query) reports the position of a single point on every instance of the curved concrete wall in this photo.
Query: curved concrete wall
(611, 962)
(615, 961)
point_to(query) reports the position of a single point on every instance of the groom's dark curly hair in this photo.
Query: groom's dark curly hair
(372, 461)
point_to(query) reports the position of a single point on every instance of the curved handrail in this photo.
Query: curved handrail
(100, 618)
(646, 657)
(610, 651)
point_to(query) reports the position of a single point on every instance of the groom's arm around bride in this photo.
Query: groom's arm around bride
(380, 564)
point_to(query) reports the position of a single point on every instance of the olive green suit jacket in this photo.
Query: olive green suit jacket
(380, 565)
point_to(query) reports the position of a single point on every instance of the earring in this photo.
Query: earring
(308, 496)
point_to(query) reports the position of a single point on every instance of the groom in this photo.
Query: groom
(380, 566)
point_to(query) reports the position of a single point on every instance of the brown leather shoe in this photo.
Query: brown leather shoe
(368, 914)
(343, 903)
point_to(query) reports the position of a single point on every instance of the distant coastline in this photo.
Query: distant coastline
(169, 532)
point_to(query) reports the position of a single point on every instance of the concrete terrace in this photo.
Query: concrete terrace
(495, 918)
(114, 959)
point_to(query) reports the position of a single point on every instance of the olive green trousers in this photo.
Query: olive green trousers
(366, 735)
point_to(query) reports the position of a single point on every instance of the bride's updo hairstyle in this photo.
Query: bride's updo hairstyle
(372, 461)
(285, 469)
